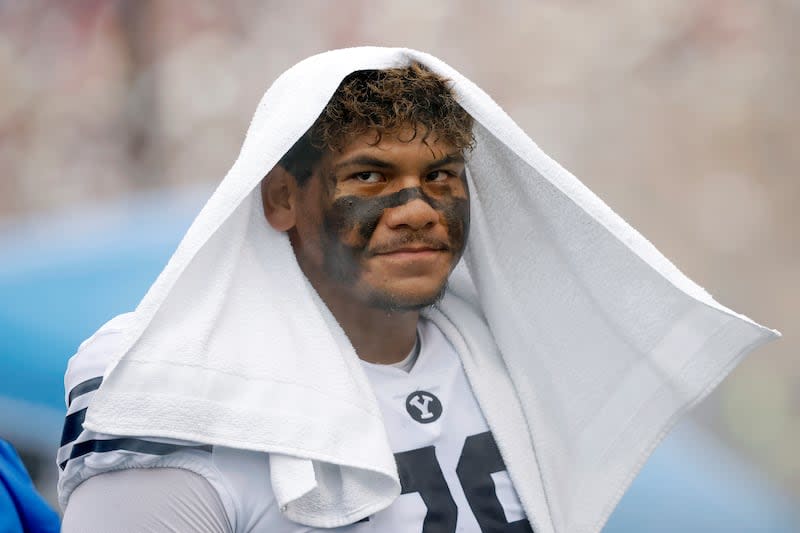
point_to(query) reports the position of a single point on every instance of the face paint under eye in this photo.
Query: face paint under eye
(365, 213)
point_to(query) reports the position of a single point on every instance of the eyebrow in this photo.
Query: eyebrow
(447, 160)
(368, 161)
(363, 161)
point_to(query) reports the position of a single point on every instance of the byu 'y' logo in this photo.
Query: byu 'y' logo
(423, 407)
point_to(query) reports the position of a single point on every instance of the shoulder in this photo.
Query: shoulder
(85, 369)
(240, 478)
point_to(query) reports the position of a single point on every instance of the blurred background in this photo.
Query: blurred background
(118, 118)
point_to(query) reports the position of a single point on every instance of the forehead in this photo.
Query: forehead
(403, 145)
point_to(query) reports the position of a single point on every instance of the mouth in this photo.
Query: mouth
(413, 255)
(423, 253)
(410, 251)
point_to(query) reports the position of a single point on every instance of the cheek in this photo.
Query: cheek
(455, 212)
(452, 203)
(353, 219)
(460, 212)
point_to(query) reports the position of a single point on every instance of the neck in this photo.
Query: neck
(378, 335)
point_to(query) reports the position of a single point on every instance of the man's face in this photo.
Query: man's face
(384, 223)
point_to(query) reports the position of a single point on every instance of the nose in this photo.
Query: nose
(415, 214)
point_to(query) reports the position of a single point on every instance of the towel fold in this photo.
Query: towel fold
(583, 344)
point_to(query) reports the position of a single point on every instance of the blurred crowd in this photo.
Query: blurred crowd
(681, 114)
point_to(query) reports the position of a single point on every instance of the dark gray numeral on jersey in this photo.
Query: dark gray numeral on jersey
(420, 472)
(479, 459)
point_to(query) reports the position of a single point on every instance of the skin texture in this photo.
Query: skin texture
(377, 230)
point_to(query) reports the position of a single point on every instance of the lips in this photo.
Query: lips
(406, 246)
(412, 250)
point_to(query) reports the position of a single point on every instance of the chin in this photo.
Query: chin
(406, 300)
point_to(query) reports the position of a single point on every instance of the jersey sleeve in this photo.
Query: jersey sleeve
(148, 501)
(84, 454)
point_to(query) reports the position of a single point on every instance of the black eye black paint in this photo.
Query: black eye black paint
(361, 215)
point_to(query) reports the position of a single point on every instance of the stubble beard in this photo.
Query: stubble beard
(392, 303)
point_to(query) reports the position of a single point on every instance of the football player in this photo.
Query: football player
(374, 199)
(316, 354)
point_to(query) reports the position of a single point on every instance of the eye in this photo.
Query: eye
(368, 177)
(438, 175)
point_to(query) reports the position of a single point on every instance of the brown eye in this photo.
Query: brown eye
(438, 175)
(369, 177)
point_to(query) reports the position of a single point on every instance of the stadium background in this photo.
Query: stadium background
(117, 118)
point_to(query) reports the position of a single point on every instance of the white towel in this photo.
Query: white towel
(583, 344)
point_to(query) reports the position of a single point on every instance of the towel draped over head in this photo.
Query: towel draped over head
(582, 343)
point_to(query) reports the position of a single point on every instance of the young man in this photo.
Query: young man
(317, 355)
(375, 201)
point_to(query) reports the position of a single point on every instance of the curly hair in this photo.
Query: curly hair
(383, 101)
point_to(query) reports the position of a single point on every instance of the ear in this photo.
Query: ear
(279, 197)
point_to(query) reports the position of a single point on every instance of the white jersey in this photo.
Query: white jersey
(451, 472)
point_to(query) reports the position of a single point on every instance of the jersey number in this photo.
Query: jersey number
(420, 472)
